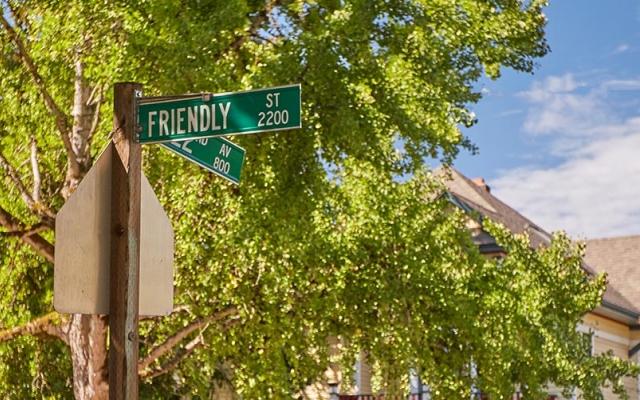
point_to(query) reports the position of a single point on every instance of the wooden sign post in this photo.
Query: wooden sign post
(125, 246)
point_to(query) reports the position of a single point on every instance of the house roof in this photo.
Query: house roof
(477, 196)
(619, 257)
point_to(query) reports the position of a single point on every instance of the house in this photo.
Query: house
(614, 324)
(619, 257)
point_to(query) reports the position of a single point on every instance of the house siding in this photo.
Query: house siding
(613, 336)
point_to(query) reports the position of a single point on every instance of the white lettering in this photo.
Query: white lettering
(173, 122)
(270, 99)
(225, 112)
(185, 145)
(221, 165)
(180, 111)
(204, 110)
(151, 122)
(214, 127)
(193, 119)
(162, 123)
(225, 150)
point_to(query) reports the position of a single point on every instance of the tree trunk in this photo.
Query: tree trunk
(83, 114)
(87, 341)
(87, 334)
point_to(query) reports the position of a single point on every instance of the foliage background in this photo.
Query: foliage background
(337, 229)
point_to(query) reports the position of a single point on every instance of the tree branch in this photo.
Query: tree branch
(177, 337)
(61, 119)
(174, 361)
(37, 242)
(181, 355)
(13, 175)
(33, 205)
(37, 182)
(258, 20)
(46, 325)
(37, 228)
(96, 115)
(176, 309)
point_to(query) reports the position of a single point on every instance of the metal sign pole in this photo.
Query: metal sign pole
(125, 247)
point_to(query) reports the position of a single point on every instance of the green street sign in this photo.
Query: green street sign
(218, 155)
(168, 119)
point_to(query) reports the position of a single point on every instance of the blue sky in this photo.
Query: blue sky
(562, 146)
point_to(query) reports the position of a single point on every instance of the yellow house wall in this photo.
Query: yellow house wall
(613, 336)
(607, 325)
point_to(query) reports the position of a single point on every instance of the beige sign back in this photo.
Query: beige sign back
(83, 245)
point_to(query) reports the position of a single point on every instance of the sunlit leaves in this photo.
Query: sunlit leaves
(322, 238)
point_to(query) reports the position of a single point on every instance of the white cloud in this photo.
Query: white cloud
(557, 107)
(595, 189)
(551, 85)
(621, 48)
(622, 84)
(593, 194)
(509, 113)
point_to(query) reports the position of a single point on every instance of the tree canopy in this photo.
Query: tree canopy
(337, 229)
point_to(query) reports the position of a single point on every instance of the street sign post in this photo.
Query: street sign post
(114, 242)
(124, 274)
(218, 155)
(168, 119)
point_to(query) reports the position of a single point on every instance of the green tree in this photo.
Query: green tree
(321, 239)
